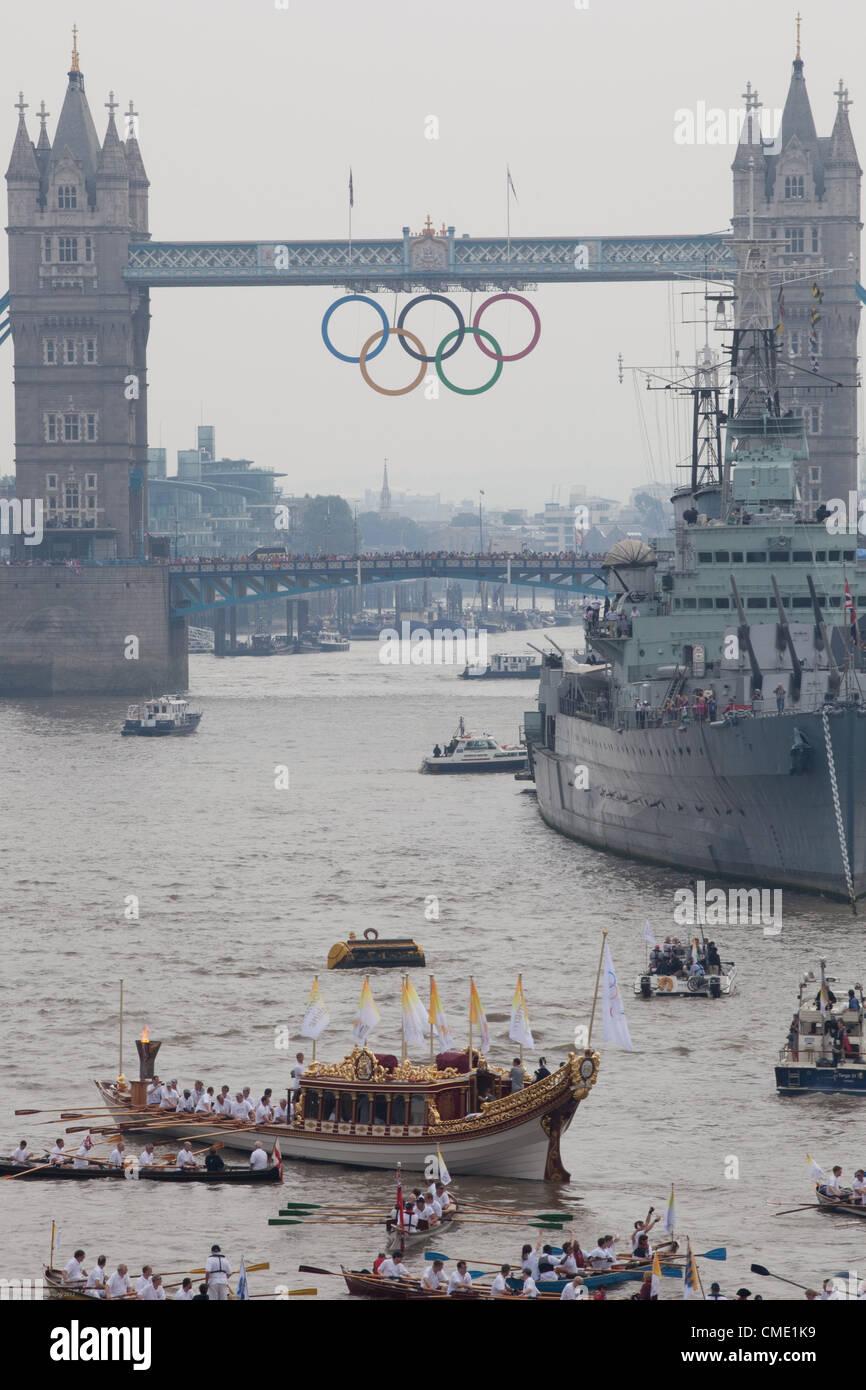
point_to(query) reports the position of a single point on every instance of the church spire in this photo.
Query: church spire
(385, 494)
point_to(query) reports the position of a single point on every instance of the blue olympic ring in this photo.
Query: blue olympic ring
(354, 299)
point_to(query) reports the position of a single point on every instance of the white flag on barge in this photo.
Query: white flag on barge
(316, 1019)
(413, 1030)
(614, 1027)
(520, 1031)
(367, 1017)
(437, 1020)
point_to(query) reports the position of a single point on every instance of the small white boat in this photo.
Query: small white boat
(504, 667)
(332, 642)
(167, 715)
(468, 752)
(683, 975)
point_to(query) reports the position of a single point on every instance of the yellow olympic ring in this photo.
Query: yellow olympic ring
(384, 390)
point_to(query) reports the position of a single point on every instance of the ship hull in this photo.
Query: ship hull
(719, 799)
(846, 1080)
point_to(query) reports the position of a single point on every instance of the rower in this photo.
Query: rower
(434, 1276)
(603, 1256)
(641, 1248)
(58, 1154)
(574, 1289)
(198, 1091)
(96, 1286)
(75, 1274)
(546, 1264)
(213, 1163)
(118, 1284)
(858, 1188)
(444, 1198)
(240, 1107)
(185, 1105)
(184, 1293)
(186, 1158)
(499, 1288)
(223, 1103)
(154, 1091)
(81, 1157)
(833, 1186)
(461, 1280)
(170, 1096)
(147, 1158)
(154, 1290)
(205, 1103)
(115, 1158)
(567, 1266)
(22, 1155)
(143, 1280)
(392, 1268)
(530, 1288)
(258, 1158)
(529, 1259)
(264, 1113)
(427, 1217)
(281, 1113)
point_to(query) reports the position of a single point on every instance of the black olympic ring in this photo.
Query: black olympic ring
(461, 331)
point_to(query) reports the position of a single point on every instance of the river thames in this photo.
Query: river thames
(242, 887)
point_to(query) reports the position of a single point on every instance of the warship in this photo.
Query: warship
(715, 723)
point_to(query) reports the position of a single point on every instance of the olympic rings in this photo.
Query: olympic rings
(357, 299)
(472, 390)
(401, 333)
(514, 356)
(442, 300)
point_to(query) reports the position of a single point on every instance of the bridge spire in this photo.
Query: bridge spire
(75, 67)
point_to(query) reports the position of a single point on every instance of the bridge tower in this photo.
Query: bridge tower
(79, 331)
(799, 195)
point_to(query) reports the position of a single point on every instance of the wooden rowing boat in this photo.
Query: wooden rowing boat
(364, 1284)
(56, 1289)
(415, 1240)
(33, 1172)
(834, 1204)
(227, 1174)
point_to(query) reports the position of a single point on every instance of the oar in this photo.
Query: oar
(38, 1169)
(810, 1206)
(759, 1269)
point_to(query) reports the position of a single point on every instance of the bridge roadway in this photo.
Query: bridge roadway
(200, 587)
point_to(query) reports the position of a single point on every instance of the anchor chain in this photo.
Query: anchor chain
(840, 828)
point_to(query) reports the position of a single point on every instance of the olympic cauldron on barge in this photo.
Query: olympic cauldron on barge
(749, 613)
(373, 1111)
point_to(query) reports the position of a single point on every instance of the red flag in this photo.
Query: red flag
(278, 1158)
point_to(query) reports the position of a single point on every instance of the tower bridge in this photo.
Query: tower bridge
(82, 265)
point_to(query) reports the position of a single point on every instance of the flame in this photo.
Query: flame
(145, 1034)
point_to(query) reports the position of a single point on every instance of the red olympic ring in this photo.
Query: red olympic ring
(514, 356)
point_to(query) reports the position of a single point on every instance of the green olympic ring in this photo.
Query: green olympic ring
(468, 390)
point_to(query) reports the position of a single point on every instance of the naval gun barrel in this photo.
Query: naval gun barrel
(786, 640)
(745, 637)
(834, 679)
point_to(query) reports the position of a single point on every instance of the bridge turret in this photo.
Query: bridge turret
(22, 176)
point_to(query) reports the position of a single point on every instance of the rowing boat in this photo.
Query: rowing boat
(33, 1172)
(228, 1174)
(409, 1240)
(56, 1288)
(364, 1284)
(835, 1204)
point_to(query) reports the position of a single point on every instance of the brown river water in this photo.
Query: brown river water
(242, 890)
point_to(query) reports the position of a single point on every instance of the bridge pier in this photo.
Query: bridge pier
(233, 629)
(219, 632)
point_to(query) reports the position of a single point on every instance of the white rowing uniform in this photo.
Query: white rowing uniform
(531, 1263)
(153, 1292)
(95, 1285)
(185, 1159)
(154, 1094)
(459, 1281)
(21, 1155)
(858, 1188)
(184, 1295)
(170, 1098)
(569, 1263)
(80, 1160)
(499, 1285)
(834, 1184)
(115, 1159)
(258, 1159)
(599, 1258)
(205, 1105)
(74, 1271)
(240, 1109)
(436, 1205)
(142, 1283)
(393, 1269)
(432, 1278)
(264, 1114)
(57, 1154)
(572, 1291)
(197, 1093)
(281, 1114)
(118, 1284)
(185, 1105)
(530, 1288)
(146, 1160)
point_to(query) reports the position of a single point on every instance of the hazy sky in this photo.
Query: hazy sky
(250, 117)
